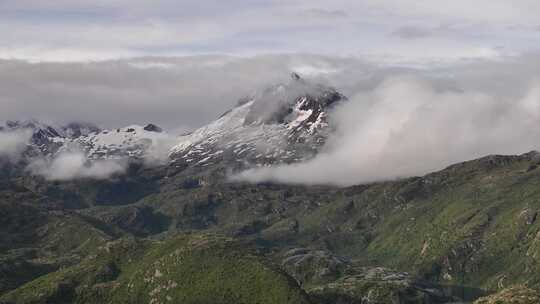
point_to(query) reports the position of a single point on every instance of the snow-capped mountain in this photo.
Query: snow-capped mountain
(47, 140)
(282, 124)
(129, 142)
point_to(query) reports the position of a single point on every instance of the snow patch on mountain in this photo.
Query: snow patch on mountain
(129, 142)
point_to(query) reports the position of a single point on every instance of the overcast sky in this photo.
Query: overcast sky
(66, 30)
(181, 63)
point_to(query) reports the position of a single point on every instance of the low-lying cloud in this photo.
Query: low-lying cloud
(158, 152)
(408, 126)
(13, 143)
(74, 165)
(411, 32)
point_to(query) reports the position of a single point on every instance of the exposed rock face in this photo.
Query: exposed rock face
(333, 279)
(377, 285)
(152, 128)
(308, 266)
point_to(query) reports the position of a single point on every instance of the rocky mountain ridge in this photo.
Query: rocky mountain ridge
(48, 140)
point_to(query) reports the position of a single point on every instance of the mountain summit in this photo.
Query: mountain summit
(284, 123)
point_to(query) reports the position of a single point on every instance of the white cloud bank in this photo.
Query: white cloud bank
(12, 144)
(75, 165)
(406, 126)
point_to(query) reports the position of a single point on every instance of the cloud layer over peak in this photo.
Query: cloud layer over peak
(406, 127)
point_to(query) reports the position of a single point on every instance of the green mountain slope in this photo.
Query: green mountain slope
(469, 228)
(513, 295)
(182, 269)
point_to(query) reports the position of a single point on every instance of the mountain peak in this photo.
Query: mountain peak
(282, 124)
(153, 128)
(276, 103)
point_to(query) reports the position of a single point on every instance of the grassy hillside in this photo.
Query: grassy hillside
(513, 295)
(182, 269)
(470, 227)
(472, 224)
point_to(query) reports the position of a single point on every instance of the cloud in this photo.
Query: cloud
(182, 94)
(174, 93)
(407, 126)
(159, 150)
(75, 165)
(411, 32)
(13, 143)
(100, 30)
(325, 13)
(313, 70)
(439, 32)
